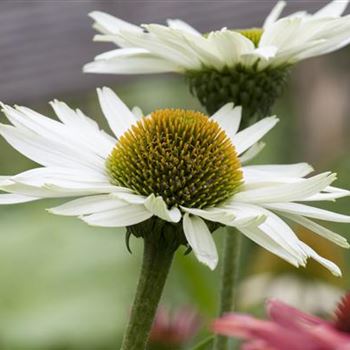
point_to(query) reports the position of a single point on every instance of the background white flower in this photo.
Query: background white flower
(73, 153)
(178, 47)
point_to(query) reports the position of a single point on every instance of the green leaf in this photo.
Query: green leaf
(205, 344)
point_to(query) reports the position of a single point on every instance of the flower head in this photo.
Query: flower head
(176, 166)
(289, 329)
(248, 67)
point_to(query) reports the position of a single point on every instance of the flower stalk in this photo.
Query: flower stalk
(229, 279)
(157, 259)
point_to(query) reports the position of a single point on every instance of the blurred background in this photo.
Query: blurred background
(67, 286)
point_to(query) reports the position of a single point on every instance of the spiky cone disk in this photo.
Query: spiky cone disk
(255, 90)
(180, 155)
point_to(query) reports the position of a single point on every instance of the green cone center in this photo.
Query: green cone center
(180, 155)
(253, 34)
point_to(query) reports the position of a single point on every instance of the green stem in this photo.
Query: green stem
(157, 258)
(229, 279)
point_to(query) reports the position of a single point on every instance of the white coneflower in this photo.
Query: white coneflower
(175, 165)
(248, 67)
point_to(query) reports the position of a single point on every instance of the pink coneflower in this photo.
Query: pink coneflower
(172, 330)
(289, 329)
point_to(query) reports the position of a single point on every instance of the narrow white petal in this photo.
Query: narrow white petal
(227, 216)
(281, 170)
(318, 229)
(142, 63)
(158, 207)
(229, 119)
(311, 212)
(249, 136)
(131, 198)
(137, 111)
(261, 238)
(274, 14)
(325, 262)
(181, 25)
(333, 9)
(252, 152)
(212, 214)
(118, 115)
(201, 241)
(273, 227)
(88, 205)
(15, 199)
(124, 216)
(296, 191)
(111, 24)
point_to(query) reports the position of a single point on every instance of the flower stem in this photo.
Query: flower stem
(229, 279)
(157, 258)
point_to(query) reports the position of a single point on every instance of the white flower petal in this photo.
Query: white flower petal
(230, 46)
(118, 115)
(333, 9)
(131, 198)
(181, 25)
(227, 216)
(311, 212)
(158, 207)
(229, 118)
(274, 14)
(274, 227)
(140, 63)
(201, 241)
(160, 42)
(15, 199)
(137, 112)
(252, 152)
(249, 136)
(296, 191)
(111, 24)
(127, 215)
(257, 176)
(88, 205)
(318, 229)
(44, 152)
(326, 263)
(261, 238)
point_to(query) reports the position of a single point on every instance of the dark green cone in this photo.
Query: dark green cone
(256, 91)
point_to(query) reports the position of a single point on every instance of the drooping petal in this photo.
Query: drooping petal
(229, 119)
(15, 199)
(227, 216)
(333, 268)
(308, 211)
(318, 229)
(158, 207)
(261, 238)
(283, 170)
(201, 241)
(88, 205)
(127, 215)
(296, 191)
(249, 136)
(118, 115)
(129, 61)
